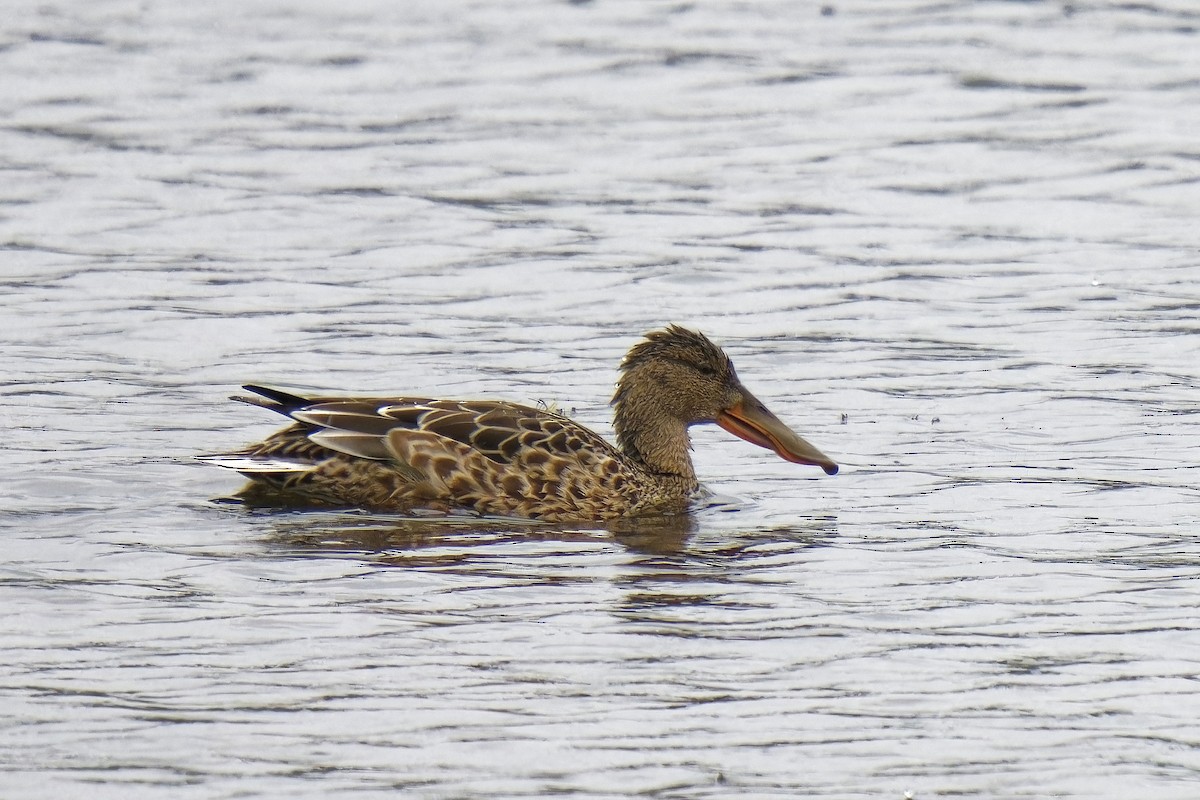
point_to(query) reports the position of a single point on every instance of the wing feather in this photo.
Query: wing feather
(492, 456)
(352, 443)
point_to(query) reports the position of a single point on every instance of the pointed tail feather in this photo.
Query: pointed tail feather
(275, 400)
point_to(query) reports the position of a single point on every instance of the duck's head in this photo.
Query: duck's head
(677, 377)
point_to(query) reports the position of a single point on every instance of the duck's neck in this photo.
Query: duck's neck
(651, 437)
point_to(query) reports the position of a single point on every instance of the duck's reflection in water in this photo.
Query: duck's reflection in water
(657, 562)
(711, 566)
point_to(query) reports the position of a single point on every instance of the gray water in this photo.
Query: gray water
(953, 244)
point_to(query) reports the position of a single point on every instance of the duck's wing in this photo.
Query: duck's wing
(501, 431)
(377, 428)
(492, 456)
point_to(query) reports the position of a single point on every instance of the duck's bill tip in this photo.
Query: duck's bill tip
(799, 451)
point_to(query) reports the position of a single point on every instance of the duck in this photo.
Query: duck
(498, 458)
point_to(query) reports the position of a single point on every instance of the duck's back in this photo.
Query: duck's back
(400, 454)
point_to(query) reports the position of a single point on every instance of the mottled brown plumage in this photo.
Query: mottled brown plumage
(496, 457)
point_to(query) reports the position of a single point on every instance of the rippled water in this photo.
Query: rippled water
(954, 244)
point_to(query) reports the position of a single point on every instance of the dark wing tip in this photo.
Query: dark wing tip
(276, 399)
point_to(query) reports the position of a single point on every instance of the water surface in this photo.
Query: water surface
(953, 244)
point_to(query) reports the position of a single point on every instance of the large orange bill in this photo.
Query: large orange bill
(750, 420)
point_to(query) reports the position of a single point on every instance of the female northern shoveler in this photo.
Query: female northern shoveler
(495, 457)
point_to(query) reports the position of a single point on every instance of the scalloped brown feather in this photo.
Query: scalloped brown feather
(491, 457)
